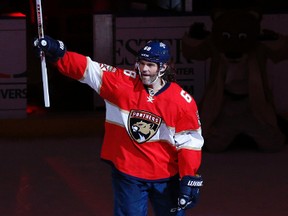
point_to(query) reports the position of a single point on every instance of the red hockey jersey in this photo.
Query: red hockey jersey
(148, 137)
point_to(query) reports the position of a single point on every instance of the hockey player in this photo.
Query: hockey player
(152, 130)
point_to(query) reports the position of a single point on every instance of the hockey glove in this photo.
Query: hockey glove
(189, 191)
(53, 49)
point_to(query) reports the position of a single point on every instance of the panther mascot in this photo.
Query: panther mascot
(238, 99)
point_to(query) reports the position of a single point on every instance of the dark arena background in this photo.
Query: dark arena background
(50, 156)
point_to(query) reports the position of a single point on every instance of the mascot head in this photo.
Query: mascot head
(235, 31)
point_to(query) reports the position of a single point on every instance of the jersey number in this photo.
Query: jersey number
(130, 73)
(186, 96)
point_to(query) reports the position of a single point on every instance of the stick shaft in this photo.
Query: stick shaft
(43, 59)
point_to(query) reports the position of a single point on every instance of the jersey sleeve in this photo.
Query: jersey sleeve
(189, 162)
(72, 65)
(188, 133)
(189, 139)
(84, 69)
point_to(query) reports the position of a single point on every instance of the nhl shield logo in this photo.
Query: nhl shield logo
(143, 125)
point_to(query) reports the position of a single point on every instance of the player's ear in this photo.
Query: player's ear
(136, 66)
(163, 67)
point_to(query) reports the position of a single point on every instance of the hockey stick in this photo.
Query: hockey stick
(42, 54)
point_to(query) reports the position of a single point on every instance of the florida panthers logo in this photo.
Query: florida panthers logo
(142, 125)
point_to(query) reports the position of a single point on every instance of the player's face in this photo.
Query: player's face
(148, 71)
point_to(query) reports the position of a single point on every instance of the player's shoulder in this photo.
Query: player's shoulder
(181, 96)
(108, 68)
(118, 72)
(178, 90)
(175, 86)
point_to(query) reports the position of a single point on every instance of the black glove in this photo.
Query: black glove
(53, 49)
(189, 191)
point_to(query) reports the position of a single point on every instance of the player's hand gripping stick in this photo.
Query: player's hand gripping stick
(53, 49)
(42, 56)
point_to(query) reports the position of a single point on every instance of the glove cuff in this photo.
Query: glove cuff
(192, 181)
